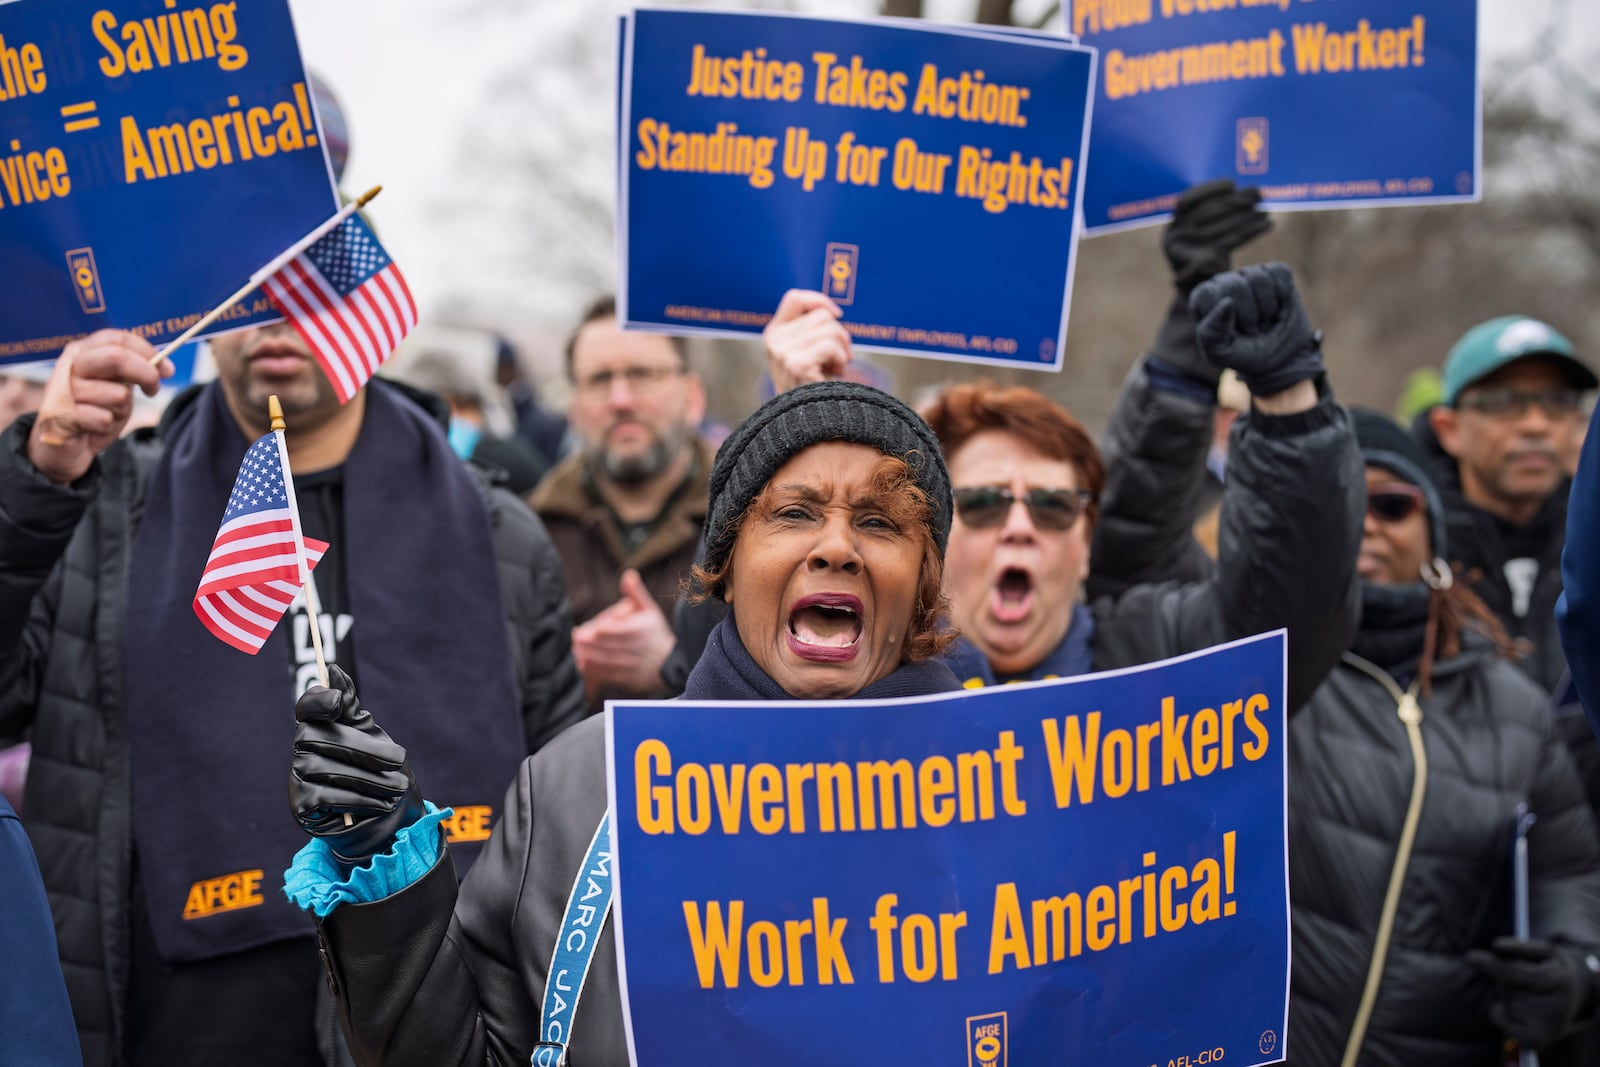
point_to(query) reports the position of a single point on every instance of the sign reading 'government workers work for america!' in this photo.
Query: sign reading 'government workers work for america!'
(1320, 103)
(153, 155)
(1086, 871)
(925, 178)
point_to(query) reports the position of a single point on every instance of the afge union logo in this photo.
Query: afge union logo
(1251, 146)
(986, 1040)
(86, 280)
(839, 263)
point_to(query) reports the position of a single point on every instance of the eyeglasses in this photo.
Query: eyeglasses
(639, 379)
(985, 506)
(1504, 402)
(1393, 503)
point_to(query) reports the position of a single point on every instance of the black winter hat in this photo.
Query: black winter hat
(1385, 444)
(813, 414)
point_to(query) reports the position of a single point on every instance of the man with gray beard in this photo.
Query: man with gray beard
(626, 510)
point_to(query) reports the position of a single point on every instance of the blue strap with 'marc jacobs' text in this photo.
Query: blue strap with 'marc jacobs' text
(587, 907)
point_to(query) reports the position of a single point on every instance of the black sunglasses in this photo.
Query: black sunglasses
(985, 506)
(1393, 503)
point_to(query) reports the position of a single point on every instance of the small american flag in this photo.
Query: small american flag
(346, 298)
(253, 573)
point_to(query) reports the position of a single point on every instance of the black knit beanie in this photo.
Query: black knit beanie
(1385, 444)
(814, 414)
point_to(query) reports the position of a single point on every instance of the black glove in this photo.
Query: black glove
(1251, 320)
(344, 763)
(1208, 223)
(1543, 987)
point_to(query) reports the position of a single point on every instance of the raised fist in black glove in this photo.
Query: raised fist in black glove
(344, 764)
(1251, 320)
(1209, 222)
(1543, 987)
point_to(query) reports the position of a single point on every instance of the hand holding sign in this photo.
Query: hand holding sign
(804, 340)
(88, 400)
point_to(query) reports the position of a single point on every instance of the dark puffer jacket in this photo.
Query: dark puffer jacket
(440, 974)
(1490, 743)
(64, 556)
(1479, 553)
(1287, 535)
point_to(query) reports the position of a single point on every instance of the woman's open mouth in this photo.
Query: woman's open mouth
(826, 627)
(1012, 597)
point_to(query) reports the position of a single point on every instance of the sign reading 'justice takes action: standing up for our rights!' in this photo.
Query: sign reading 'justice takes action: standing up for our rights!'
(926, 178)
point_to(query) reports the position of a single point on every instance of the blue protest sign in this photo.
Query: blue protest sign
(1320, 104)
(152, 156)
(926, 178)
(1086, 871)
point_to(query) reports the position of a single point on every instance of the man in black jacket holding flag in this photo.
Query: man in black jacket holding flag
(155, 792)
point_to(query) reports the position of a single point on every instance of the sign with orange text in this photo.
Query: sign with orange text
(153, 155)
(1090, 870)
(1319, 103)
(925, 178)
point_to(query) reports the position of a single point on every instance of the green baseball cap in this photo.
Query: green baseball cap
(1491, 345)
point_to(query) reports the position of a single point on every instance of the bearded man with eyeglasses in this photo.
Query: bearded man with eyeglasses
(626, 509)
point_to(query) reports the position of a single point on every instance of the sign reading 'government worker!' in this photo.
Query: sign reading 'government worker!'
(153, 155)
(1084, 871)
(925, 178)
(1319, 103)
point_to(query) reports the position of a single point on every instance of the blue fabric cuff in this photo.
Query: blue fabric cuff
(1165, 378)
(316, 883)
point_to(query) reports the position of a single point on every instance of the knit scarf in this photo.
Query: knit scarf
(210, 728)
(1394, 622)
(1072, 657)
(726, 671)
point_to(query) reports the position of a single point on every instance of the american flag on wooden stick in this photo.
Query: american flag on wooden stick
(253, 573)
(346, 297)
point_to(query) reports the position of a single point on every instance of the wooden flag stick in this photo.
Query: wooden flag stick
(266, 272)
(313, 608)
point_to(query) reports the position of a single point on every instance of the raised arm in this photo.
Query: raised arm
(48, 477)
(1291, 510)
(1156, 442)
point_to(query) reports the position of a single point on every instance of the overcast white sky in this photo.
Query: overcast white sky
(408, 72)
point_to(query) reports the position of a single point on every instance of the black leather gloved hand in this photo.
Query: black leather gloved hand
(1251, 320)
(1210, 221)
(1543, 987)
(344, 763)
